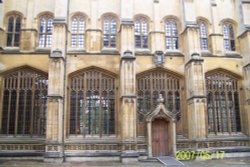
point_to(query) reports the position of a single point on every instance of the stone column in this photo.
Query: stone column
(245, 111)
(216, 37)
(127, 84)
(196, 98)
(29, 30)
(194, 75)
(93, 32)
(1, 26)
(128, 108)
(55, 102)
(157, 36)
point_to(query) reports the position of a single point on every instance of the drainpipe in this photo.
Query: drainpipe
(64, 82)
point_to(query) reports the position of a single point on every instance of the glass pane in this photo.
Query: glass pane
(237, 112)
(41, 40)
(50, 26)
(223, 112)
(174, 29)
(17, 40)
(210, 113)
(225, 31)
(5, 112)
(49, 40)
(9, 39)
(12, 112)
(73, 41)
(72, 129)
(74, 26)
(11, 24)
(81, 41)
(81, 26)
(18, 25)
(43, 25)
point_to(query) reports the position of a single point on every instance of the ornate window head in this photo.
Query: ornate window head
(141, 33)
(24, 102)
(222, 103)
(78, 27)
(13, 31)
(203, 36)
(109, 31)
(229, 38)
(45, 31)
(171, 34)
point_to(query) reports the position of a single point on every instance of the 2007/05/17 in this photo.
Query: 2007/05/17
(203, 155)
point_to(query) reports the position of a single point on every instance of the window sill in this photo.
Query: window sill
(142, 51)
(206, 53)
(110, 50)
(43, 50)
(232, 54)
(76, 50)
(95, 138)
(171, 52)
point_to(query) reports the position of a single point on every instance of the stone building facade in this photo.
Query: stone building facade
(123, 79)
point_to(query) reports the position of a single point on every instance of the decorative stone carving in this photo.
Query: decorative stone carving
(159, 58)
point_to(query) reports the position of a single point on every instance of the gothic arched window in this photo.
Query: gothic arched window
(45, 31)
(222, 103)
(24, 102)
(229, 39)
(13, 31)
(109, 31)
(77, 32)
(92, 103)
(171, 34)
(149, 86)
(141, 33)
(203, 36)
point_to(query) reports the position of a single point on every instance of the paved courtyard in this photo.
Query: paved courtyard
(237, 162)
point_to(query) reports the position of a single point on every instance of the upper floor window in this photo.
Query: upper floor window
(77, 32)
(45, 31)
(141, 33)
(13, 31)
(203, 36)
(109, 32)
(229, 41)
(171, 34)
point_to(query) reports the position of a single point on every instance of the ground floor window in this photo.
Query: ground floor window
(92, 103)
(222, 103)
(24, 102)
(149, 85)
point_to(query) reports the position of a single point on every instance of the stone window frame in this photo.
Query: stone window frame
(142, 35)
(78, 16)
(216, 107)
(203, 31)
(14, 14)
(110, 17)
(229, 42)
(47, 35)
(80, 83)
(17, 83)
(172, 36)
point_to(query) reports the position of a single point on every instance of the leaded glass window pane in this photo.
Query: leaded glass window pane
(171, 34)
(77, 32)
(222, 102)
(45, 32)
(109, 32)
(229, 39)
(141, 33)
(92, 111)
(13, 31)
(24, 104)
(203, 36)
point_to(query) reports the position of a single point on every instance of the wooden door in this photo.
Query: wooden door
(159, 138)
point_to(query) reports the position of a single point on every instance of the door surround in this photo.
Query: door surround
(161, 113)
